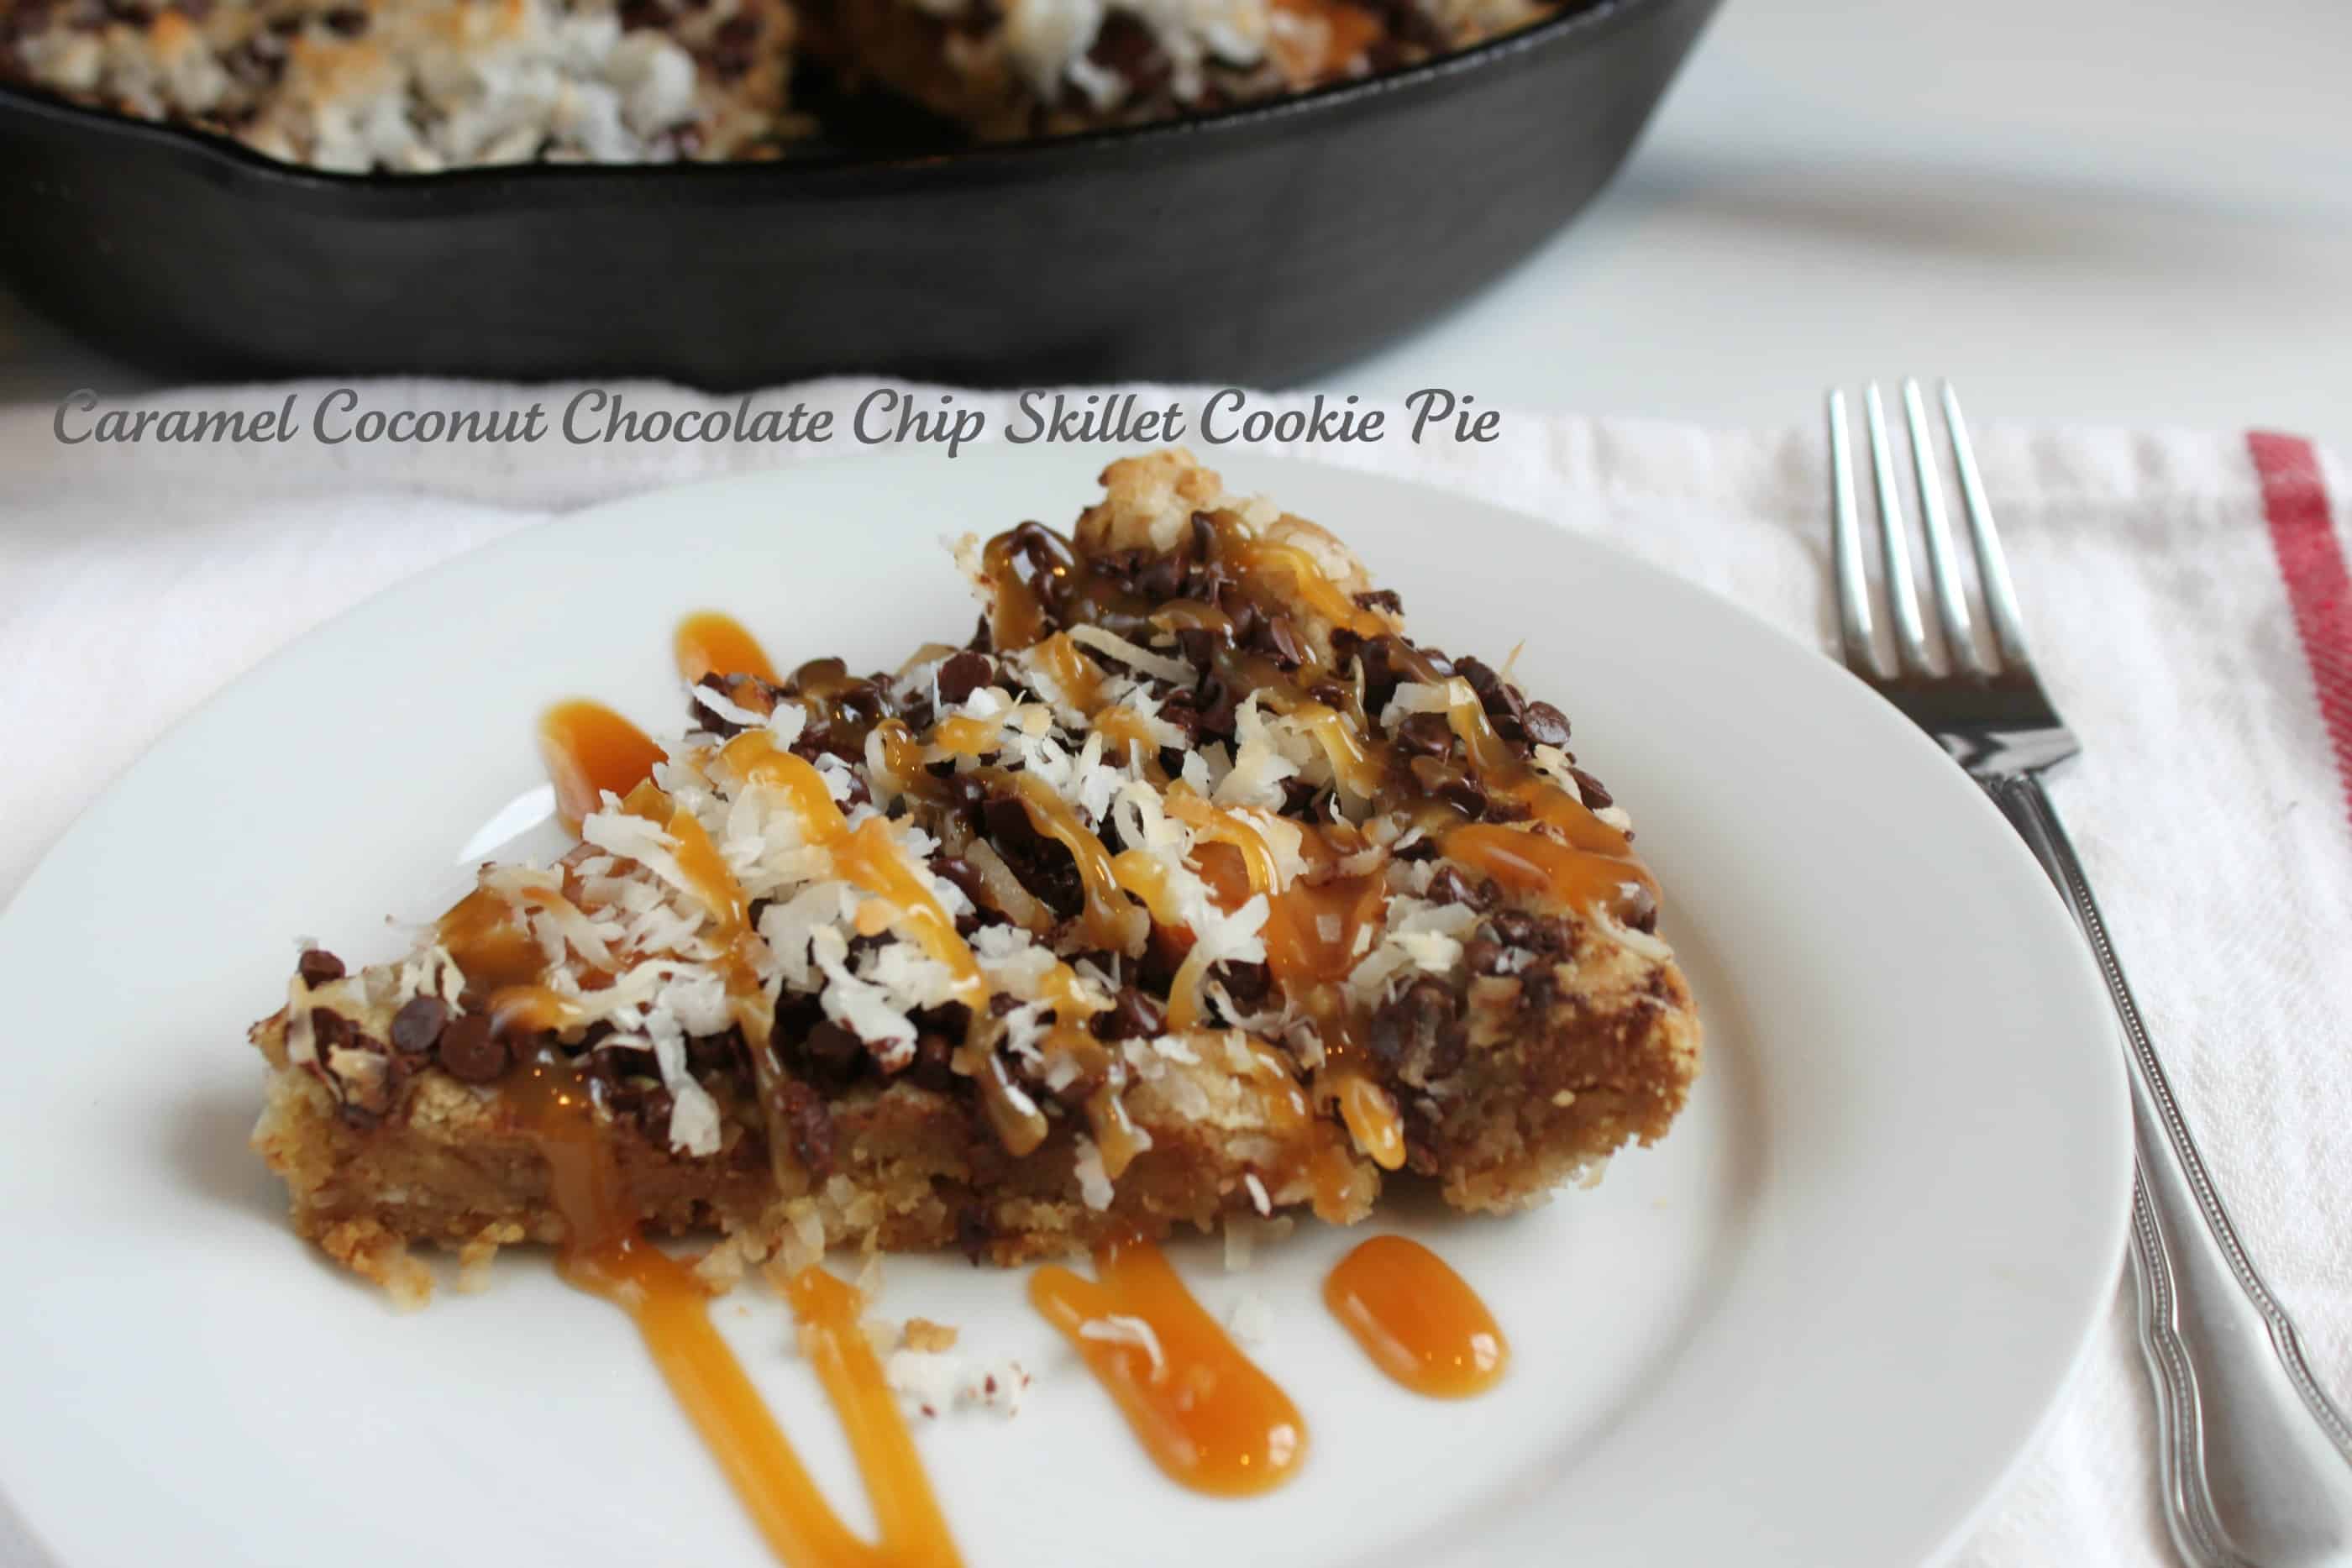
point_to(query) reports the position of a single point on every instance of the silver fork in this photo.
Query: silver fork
(2256, 1462)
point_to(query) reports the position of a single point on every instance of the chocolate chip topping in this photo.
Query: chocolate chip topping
(1279, 638)
(417, 1027)
(1546, 725)
(1418, 1032)
(318, 966)
(1133, 1017)
(1424, 735)
(830, 1046)
(963, 674)
(1449, 886)
(963, 874)
(470, 1052)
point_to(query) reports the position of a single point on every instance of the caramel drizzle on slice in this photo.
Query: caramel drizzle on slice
(707, 643)
(1204, 1413)
(589, 749)
(606, 1254)
(1076, 677)
(867, 856)
(1417, 1319)
(1108, 920)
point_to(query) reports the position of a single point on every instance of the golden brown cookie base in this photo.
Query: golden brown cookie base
(913, 1172)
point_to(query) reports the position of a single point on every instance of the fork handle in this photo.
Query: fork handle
(2244, 1433)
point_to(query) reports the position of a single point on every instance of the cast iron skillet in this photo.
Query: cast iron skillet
(1259, 246)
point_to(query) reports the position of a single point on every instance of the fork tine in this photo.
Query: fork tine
(1951, 600)
(1852, 590)
(1992, 565)
(1910, 637)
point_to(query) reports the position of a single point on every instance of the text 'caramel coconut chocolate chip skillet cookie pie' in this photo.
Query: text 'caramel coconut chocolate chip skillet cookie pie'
(1189, 892)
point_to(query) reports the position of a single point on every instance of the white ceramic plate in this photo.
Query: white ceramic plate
(1813, 1327)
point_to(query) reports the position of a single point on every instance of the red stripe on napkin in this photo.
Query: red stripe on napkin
(2303, 534)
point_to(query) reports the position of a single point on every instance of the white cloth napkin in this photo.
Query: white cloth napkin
(2186, 593)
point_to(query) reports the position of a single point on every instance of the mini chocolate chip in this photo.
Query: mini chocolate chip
(470, 1052)
(1546, 725)
(1130, 48)
(963, 674)
(1009, 827)
(1513, 928)
(318, 966)
(1161, 580)
(708, 717)
(965, 876)
(417, 1026)
(970, 799)
(724, 1052)
(1483, 680)
(832, 1046)
(1465, 795)
(1642, 909)
(1451, 886)
(1248, 623)
(1133, 1017)
(1380, 599)
(1247, 984)
(1425, 735)
(1217, 716)
(1183, 709)
(1596, 797)
(1278, 637)
(1298, 799)
(1482, 955)
(1410, 1020)
(933, 1064)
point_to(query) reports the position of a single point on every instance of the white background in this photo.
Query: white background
(2133, 212)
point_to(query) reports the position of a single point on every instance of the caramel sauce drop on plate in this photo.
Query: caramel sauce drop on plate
(607, 1257)
(1417, 1319)
(709, 643)
(588, 749)
(1204, 1413)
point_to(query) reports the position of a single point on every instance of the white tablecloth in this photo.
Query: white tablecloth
(2187, 592)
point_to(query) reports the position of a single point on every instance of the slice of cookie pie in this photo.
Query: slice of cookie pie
(1190, 889)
